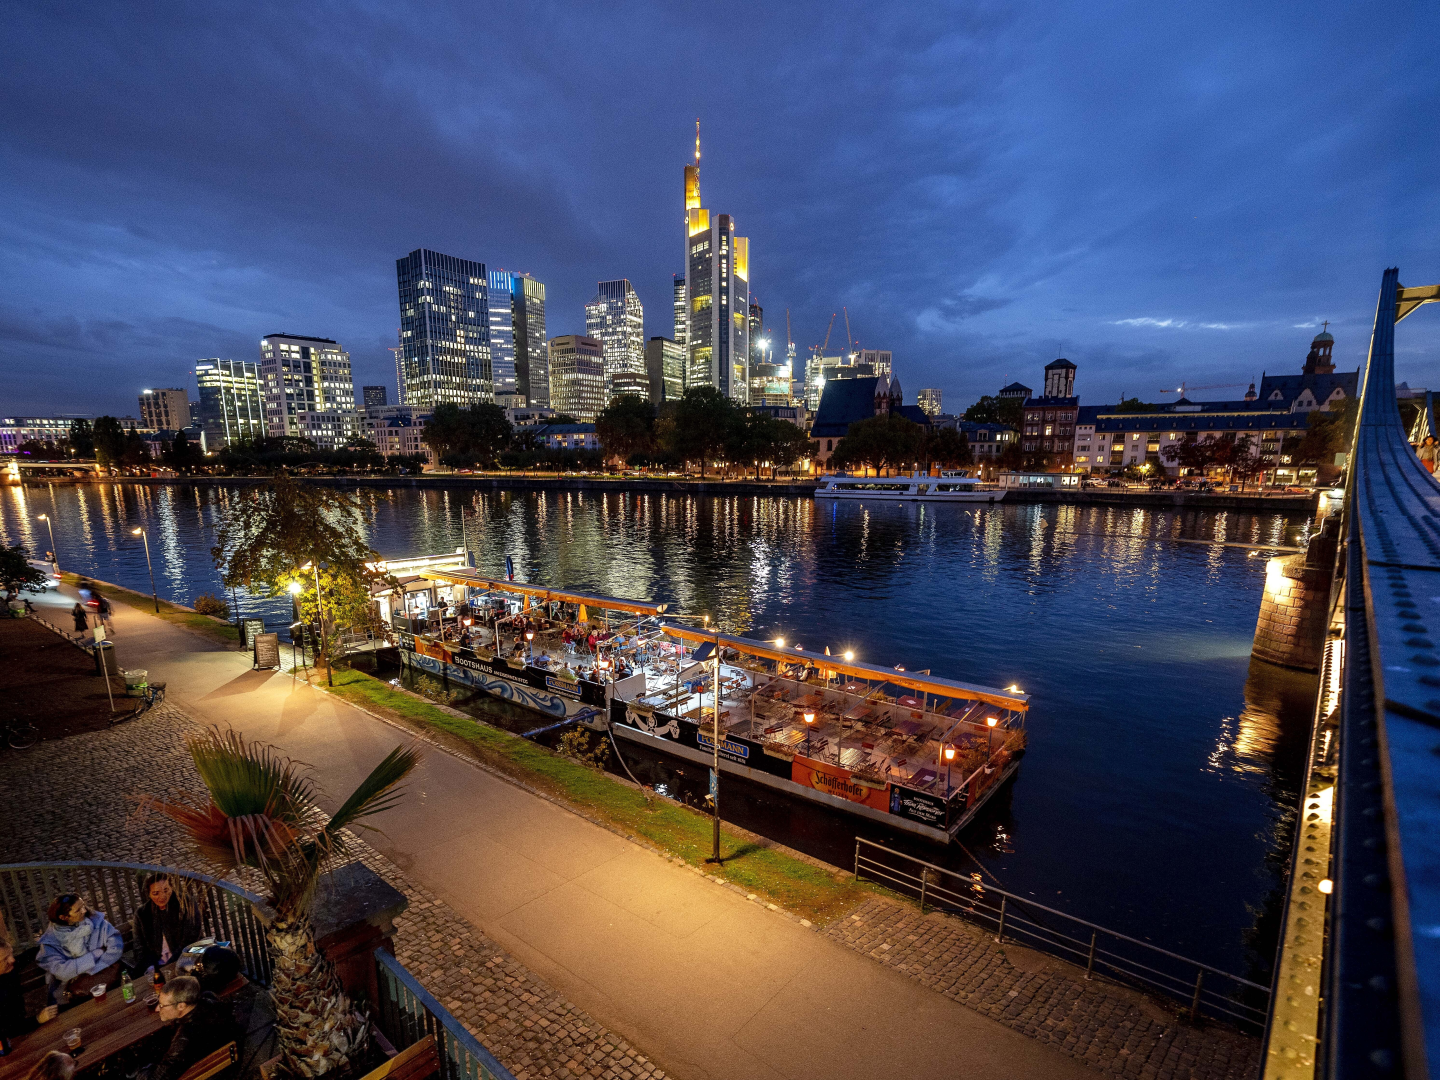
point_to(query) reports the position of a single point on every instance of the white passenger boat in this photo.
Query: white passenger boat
(946, 486)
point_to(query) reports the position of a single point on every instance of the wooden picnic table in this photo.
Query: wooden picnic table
(106, 1028)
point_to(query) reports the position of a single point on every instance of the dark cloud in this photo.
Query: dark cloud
(1163, 193)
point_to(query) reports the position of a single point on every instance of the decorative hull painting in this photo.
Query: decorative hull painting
(553, 697)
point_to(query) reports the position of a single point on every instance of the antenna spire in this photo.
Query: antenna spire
(697, 140)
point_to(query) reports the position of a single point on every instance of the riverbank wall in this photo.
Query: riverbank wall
(1157, 500)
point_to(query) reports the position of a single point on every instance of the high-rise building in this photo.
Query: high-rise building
(232, 406)
(164, 410)
(877, 359)
(817, 370)
(929, 402)
(308, 389)
(665, 369)
(376, 397)
(444, 352)
(756, 330)
(682, 320)
(616, 319)
(502, 331)
(577, 376)
(717, 294)
(532, 357)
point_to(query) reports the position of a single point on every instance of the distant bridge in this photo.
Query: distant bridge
(1357, 986)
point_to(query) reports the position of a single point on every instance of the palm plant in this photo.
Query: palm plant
(261, 814)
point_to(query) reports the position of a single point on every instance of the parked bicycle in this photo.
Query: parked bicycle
(20, 733)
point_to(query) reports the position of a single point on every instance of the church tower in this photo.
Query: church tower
(1318, 361)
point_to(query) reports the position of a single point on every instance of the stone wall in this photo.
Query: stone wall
(1296, 605)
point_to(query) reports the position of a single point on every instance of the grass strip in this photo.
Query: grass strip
(811, 891)
(223, 633)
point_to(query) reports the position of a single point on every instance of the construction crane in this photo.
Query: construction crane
(789, 345)
(820, 349)
(849, 343)
(1182, 389)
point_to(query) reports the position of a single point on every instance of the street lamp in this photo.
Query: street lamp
(295, 588)
(990, 722)
(146, 537)
(529, 637)
(54, 555)
(809, 720)
(849, 655)
(949, 757)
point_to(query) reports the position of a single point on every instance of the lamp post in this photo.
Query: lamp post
(529, 637)
(809, 720)
(949, 757)
(146, 537)
(990, 722)
(54, 555)
(294, 587)
(715, 755)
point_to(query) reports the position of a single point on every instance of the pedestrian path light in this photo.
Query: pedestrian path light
(153, 594)
(54, 555)
(809, 719)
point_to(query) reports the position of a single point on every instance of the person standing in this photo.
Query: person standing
(82, 619)
(105, 612)
(1427, 453)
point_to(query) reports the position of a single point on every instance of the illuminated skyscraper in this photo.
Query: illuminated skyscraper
(309, 390)
(532, 356)
(665, 367)
(231, 404)
(444, 330)
(616, 319)
(929, 402)
(502, 333)
(682, 321)
(717, 294)
(577, 376)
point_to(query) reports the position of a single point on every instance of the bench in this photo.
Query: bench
(416, 1062)
(212, 1064)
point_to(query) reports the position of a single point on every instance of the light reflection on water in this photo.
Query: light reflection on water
(1154, 796)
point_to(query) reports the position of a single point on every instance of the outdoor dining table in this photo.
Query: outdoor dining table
(107, 1028)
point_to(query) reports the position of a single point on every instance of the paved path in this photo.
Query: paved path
(704, 982)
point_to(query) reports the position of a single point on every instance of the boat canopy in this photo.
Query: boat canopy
(928, 684)
(475, 581)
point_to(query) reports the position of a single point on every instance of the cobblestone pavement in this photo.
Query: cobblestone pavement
(532, 1030)
(1121, 1032)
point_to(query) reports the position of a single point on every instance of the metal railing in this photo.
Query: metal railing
(1202, 989)
(116, 889)
(406, 1013)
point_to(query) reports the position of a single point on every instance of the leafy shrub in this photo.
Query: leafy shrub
(206, 604)
(577, 743)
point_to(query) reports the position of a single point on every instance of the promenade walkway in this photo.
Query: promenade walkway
(565, 919)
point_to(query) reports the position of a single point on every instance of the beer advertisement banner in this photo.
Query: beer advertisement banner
(432, 650)
(836, 781)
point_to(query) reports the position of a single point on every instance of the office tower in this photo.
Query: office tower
(444, 352)
(817, 370)
(308, 389)
(929, 402)
(616, 319)
(756, 330)
(717, 294)
(376, 396)
(502, 334)
(164, 410)
(577, 376)
(231, 403)
(532, 357)
(665, 370)
(877, 359)
(682, 321)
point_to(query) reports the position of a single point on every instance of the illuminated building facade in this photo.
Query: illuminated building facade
(532, 355)
(665, 370)
(164, 410)
(444, 354)
(577, 376)
(929, 402)
(717, 295)
(502, 332)
(616, 319)
(309, 390)
(231, 403)
(682, 320)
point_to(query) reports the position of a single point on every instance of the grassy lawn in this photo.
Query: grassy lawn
(810, 891)
(224, 633)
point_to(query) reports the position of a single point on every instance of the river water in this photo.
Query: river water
(1158, 792)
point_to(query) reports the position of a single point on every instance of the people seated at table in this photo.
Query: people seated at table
(56, 1065)
(78, 944)
(221, 973)
(202, 1024)
(568, 674)
(163, 925)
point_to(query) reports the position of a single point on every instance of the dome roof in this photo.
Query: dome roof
(1323, 337)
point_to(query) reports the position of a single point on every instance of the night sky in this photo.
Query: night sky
(1158, 192)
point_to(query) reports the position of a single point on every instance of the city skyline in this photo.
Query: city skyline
(1189, 216)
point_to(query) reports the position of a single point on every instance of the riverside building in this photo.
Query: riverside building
(232, 406)
(1049, 420)
(665, 370)
(532, 355)
(577, 376)
(444, 353)
(164, 410)
(309, 390)
(929, 401)
(616, 319)
(717, 295)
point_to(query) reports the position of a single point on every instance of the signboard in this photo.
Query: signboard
(267, 651)
(250, 629)
(836, 781)
(99, 633)
(918, 806)
(433, 650)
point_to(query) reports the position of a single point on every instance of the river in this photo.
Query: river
(1158, 792)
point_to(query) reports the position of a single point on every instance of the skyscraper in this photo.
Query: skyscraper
(878, 359)
(231, 406)
(532, 356)
(665, 368)
(165, 410)
(444, 330)
(616, 319)
(756, 330)
(577, 376)
(929, 402)
(376, 397)
(682, 320)
(717, 294)
(502, 334)
(308, 389)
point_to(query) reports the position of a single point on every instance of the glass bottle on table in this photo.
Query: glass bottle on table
(127, 988)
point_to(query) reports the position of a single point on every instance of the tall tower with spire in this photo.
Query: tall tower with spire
(717, 294)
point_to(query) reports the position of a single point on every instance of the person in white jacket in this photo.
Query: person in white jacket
(78, 944)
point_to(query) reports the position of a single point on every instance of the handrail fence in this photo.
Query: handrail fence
(407, 1012)
(1099, 950)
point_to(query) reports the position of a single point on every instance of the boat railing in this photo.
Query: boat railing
(1101, 952)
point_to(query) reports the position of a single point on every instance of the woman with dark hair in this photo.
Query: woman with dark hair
(77, 943)
(163, 925)
(53, 1066)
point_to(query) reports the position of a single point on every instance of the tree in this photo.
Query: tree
(703, 420)
(1191, 453)
(134, 453)
(880, 442)
(109, 439)
(947, 447)
(788, 444)
(276, 533)
(1240, 457)
(260, 812)
(473, 436)
(82, 439)
(183, 456)
(626, 426)
(1134, 405)
(17, 573)
(997, 410)
(1327, 434)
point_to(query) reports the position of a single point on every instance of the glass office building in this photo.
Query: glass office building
(444, 354)
(309, 390)
(717, 297)
(532, 356)
(616, 319)
(502, 331)
(231, 403)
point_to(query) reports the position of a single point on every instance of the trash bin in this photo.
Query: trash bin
(136, 681)
(108, 654)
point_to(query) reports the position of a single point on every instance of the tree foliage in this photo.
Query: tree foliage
(880, 442)
(82, 439)
(626, 426)
(182, 455)
(471, 436)
(16, 572)
(703, 421)
(996, 410)
(946, 447)
(1134, 405)
(109, 441)
(1327, 434)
